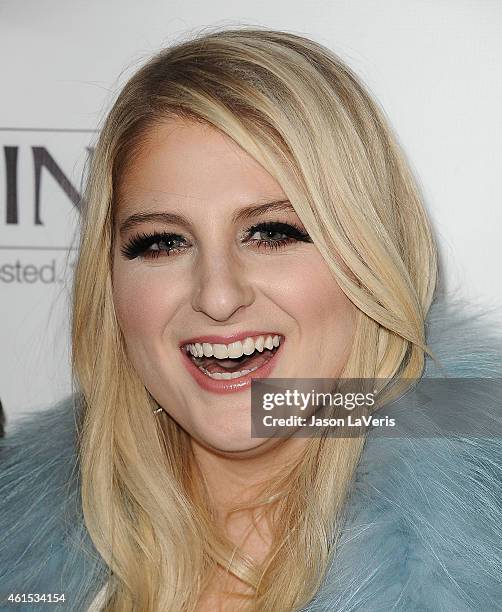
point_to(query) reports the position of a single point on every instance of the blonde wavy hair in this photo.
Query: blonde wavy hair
(297, 109)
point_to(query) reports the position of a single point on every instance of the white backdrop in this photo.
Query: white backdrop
(434, 66)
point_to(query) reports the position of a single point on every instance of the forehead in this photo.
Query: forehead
(190, 165)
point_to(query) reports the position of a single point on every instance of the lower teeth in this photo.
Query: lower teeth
(227, 375)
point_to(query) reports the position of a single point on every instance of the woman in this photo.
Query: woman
(249, 214)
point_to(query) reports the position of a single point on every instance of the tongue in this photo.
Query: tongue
(247, 362)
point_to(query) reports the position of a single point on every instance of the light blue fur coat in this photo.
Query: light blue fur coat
(422, 526)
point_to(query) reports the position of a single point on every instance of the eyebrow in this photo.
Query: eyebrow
(170, 218)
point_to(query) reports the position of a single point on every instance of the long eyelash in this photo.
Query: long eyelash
(293, 231)
(138, 245)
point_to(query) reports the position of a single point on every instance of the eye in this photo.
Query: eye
(151, 246)
(275, 234)
(272, 234)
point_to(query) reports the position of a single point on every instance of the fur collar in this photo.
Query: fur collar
(422, 525)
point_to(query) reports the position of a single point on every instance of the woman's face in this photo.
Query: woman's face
(204, 262)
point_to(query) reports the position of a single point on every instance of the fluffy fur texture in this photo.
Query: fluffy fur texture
(422, 526)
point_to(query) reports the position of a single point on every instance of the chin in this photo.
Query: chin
(233, 445)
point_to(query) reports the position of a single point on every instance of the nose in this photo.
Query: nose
(221, 286)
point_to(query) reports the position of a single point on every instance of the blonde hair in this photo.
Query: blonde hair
(301, 112)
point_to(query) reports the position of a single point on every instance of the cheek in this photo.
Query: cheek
(143, 304)
(329, 303)
(324, 316)
(313, 297)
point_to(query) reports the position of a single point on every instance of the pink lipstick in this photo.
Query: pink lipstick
(227, 364)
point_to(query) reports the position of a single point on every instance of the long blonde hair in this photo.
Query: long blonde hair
(301, 112)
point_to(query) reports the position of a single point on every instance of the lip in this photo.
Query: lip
(228, 339)
(243, 383)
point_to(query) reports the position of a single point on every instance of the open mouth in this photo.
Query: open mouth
(235, 360)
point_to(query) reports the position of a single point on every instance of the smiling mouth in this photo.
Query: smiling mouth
(226, 362)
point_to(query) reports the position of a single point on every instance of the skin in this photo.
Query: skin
(220, 284)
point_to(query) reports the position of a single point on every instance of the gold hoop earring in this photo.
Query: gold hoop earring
(157, 410)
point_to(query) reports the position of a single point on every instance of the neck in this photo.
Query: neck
(233, 479)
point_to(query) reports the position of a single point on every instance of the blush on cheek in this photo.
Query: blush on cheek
(132, 311)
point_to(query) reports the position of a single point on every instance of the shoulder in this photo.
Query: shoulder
(43, 545)
(422, 528)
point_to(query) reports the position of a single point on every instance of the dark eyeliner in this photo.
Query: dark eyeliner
(291, 230)
(140, 243)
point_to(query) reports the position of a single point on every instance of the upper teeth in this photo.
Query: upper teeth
(235, 349)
